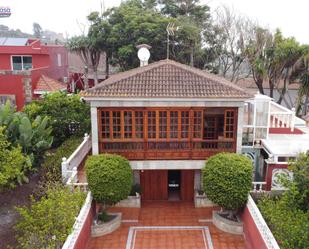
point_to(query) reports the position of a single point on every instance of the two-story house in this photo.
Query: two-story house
(29, 68)
(166, 118)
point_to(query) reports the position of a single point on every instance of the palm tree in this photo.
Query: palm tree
(303, 92)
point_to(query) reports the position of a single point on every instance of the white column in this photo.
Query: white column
(94, 130)
(240, 122)
(64, 168)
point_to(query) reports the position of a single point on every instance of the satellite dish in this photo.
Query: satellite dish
(143, 54)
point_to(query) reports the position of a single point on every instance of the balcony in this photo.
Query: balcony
(154, 150)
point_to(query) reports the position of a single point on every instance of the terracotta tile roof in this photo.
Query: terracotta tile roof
(46, 84)
(166, 79)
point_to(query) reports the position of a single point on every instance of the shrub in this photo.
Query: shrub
(289, 224)
(51, 168)
(109, 178)
(48, 221)
(13, 164)
(227, 180)
(300, 169)
(68, 115)
(33, 135)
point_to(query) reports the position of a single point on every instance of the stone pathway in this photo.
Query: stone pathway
(167, 225)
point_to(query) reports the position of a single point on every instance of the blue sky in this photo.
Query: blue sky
(68, 16)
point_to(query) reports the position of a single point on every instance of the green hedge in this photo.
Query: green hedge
(51, 168)
(109, 178)
(48, 221)
(289, 224)
(227, 180)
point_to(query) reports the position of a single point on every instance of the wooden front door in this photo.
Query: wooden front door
(187, 185)
(154, 185)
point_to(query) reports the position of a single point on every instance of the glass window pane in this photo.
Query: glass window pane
(116, 125)
(105, 124)
(174, 124)
(27, 62)
(197, 124)
(127, 124)
(151, 124)
(139, 127)
(184, 124)
(162, 124)
(17, 65)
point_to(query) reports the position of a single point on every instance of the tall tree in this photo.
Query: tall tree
(98, 35)
(235, 34)
(193, 19)
(132, 23)
(37, 30)
(88, 52)
(257, 55)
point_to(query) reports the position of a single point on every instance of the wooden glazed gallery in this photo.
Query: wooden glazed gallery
(167, 133)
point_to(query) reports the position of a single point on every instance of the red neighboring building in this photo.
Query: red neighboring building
(22, 63)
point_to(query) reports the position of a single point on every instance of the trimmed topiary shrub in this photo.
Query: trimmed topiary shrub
(109, 178)
(227, 180)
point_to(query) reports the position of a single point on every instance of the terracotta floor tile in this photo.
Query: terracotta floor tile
(167, 214)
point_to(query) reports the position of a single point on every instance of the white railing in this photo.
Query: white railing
(261, 225)
(70, 165)
(258, 186)
(281, 116)
(79, 223)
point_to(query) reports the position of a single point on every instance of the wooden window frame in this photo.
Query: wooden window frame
(168, 110)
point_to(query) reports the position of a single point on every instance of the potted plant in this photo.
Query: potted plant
(109, 180)
(134, 198)
(227, 181)
(201, 200)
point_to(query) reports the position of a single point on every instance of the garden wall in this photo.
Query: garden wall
(80, 236)
(256, 232)
(85, 233)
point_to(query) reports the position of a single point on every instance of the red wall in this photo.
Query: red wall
(44, 61)
(284, 131)
(252, 234)
(269, 173)
(85, 234)
(12, 84)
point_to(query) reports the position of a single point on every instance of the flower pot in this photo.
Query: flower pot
(102, 228)
(227, 225)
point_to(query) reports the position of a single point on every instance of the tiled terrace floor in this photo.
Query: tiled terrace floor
(161, 214)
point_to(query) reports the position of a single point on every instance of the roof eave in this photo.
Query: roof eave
(224, 99)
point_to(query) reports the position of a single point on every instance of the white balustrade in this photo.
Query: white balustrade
(281, 116)
(76, 158)
(258, 186)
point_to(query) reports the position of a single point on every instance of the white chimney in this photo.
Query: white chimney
(143, 54)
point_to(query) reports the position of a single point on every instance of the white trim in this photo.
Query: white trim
(79, 223)
(59, 60)
(40, 92)
(165, 99)
(204, 229)
(94, 130)
(22, 63)
(167, 164)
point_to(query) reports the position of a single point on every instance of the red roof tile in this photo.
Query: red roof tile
(166, 79)
(46, 84)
